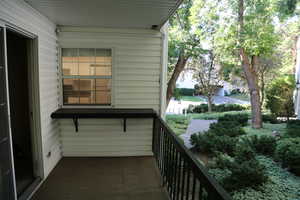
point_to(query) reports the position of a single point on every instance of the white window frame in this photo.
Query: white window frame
(60, 79)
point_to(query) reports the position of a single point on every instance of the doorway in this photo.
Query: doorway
(20, 108)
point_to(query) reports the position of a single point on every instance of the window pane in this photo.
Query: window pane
(103, 97)
(86, 97)
(69, 55)
(102, 70)
(103, 84)
(87, 84)
(87, 55)
(70, 69)
(86, 62)
(103, 56)
(71, 97)
(85, 69)
(70, 84)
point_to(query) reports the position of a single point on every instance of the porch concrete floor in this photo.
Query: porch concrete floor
(125, 178)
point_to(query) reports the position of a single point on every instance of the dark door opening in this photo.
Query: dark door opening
(19, 91)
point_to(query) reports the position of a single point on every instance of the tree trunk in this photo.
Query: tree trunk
(262, 88)
(179, 67)
(209, 103)
(250, 73)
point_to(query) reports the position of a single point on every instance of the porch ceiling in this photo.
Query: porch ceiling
(107, 13)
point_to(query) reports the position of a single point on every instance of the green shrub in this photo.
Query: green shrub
(202, 143)
(176, 94)
(186, 91)
(293, 128)
(264, 144)
(229, 128)
(281, 185)
(242, 171)
(288, 153)
(270, 119)
(203, 108)
(209, 142)
(229, 107)
(235, 91)
(249, 173)
(279, 96)
(241, 119)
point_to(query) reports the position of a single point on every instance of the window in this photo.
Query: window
(87, 75)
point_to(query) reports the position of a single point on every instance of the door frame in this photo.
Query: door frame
(34, 103)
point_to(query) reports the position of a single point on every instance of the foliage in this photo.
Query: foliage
(293, 128)
(280, 185)
(264, 144)
(287, 8)
(192, 98)
(176, 93)
(280, 97)
(241, 119)
(178, 123)
(268, 130)
(229, 128)
(209, 142)
(270, 118)
(203, 108)
(242, 171)
(186, 91)
(288, 153)
(207, 76)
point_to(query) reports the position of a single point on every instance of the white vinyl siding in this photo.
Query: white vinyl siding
(136, 74)
(20, 14)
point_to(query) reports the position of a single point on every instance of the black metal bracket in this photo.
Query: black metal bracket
(75, 121)
(124, 124)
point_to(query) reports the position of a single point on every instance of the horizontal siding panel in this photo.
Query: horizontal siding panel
(137, 83)
(137, 95)
(121, 39)
(135, 52)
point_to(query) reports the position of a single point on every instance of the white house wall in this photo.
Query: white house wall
(136, 72)
(20, 14)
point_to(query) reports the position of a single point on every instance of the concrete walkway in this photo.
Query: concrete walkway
(195, 126)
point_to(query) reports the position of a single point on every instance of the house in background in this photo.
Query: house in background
(82, 97)
(186, 80)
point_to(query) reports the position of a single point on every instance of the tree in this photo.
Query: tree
(248, 35)
(207, 75)
(184, 43)
(280, 96)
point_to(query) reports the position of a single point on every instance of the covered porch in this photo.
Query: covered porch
(126, 178)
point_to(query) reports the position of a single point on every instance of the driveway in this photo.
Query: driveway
(228, 100)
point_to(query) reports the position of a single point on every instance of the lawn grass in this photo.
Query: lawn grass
(192, 98)
(266, 130)
(179, 123)
(243, 97)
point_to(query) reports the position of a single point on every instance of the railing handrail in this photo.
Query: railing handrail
(199, 170)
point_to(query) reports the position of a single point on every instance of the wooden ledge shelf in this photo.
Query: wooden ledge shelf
(111, 113)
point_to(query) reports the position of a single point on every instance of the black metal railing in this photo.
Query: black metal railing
(183, 176)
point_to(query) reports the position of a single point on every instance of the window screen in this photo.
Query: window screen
(87, 75)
